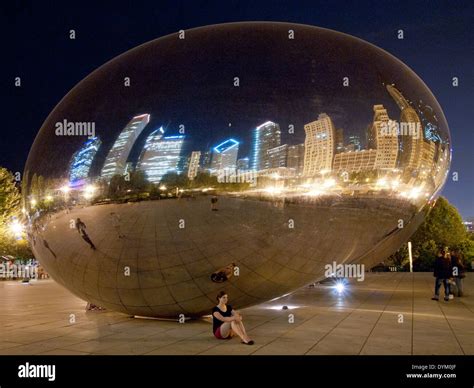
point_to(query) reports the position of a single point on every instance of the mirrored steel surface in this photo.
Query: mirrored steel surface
(242, 157)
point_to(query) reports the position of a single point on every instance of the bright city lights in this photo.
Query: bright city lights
(273, 190)
(16, 228)
(89, 191)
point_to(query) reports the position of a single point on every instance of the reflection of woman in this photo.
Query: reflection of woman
(226, 321)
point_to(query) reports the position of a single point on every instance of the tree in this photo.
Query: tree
(442, 227)
(138, 181)
(116, 186)
(204, 179)
(10, 210)
(172, 180)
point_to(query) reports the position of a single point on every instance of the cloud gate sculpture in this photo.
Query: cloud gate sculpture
(241, 157)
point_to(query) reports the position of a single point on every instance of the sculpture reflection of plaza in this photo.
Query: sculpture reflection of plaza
(308, 173)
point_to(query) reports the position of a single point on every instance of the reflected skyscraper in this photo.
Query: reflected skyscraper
(243, 164)
(193, 167)
(277, 157)
(339, 140)
(116, 160)
(320, 146)
(353, 143)
(224, 155)
(355, 161)
(384, 140)
(265, 137)
(160, 155)
(295, 159)
(411, 143)
(82, 160)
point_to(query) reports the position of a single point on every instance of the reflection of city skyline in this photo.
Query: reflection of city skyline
(326, 149)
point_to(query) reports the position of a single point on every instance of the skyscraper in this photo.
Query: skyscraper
(353, 143)
(384, 139)
(116, 160)
(411, 142)
(194, 164)
(81, 161)
(320, 145)
(355, 161)
(243, 164)
(161, 155)
(224, 155)
(265, 137)
(206, 160)
(277, 156)
(339, 140)
(296, 158)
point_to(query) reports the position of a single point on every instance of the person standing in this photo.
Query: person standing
(458, 270)
(442, 273)
(214, 200)
(117, 221)
(81, 228)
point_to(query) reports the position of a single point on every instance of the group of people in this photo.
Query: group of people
(449, 270)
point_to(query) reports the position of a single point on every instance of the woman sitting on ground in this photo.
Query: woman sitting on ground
(227, 322)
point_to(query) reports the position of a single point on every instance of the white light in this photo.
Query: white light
(16, 228)
(273, 190)
(329, 182)
(162, 187)
(49, 198)
(33, 202)
(280, 307)
(65, 189)
(314, 193)
(340, 287)
(89, 191)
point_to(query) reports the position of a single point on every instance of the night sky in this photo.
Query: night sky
(438, 45)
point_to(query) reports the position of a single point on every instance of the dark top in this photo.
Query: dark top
(457, 262)
(442, 268)
(216, 323)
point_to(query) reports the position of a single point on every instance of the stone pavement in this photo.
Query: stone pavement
(388, 313)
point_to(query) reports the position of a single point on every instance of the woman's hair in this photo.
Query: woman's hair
(220, 295)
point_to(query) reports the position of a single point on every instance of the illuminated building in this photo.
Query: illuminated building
(265, 137)
(194, 164)
(353, 143)
(339, 140)
(243, 164)
(411, 146)
(277, 156)
(384, 138)
(319, 146)
(161, 155)
(355, 161)
(81, 161)
(116, 160)
(224, 155)
(295, 159)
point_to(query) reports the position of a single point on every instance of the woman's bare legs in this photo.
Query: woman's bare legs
(226, 329)
(237, 329)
